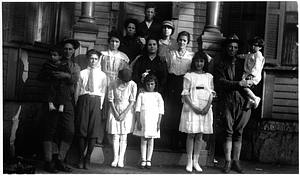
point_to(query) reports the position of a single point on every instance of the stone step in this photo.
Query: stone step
(104, 154)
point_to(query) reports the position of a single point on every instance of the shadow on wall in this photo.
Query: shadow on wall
(28, 141)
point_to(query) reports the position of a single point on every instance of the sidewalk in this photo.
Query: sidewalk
(249, 167)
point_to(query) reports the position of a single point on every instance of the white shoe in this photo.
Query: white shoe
(51, 107)
(197, 167)
(121, 162)
(189, 165)
(114, 163)
(249, 104)
(196, 163)
(61, 108)
(189, 168)
(256, 102)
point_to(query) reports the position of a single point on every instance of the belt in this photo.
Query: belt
(199, 87)
(92, 96)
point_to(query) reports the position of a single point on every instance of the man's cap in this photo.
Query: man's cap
(232, 39)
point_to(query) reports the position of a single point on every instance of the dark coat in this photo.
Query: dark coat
(154, 30)
(131, 47)
(156, 66)
(74, 71)
(227, 82)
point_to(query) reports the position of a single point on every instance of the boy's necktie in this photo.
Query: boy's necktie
(90, 83)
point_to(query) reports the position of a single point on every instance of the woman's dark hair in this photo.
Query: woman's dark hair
(184, 33)
(92, 51)
(145, 50)
(199, 55)
(151, 38)
(149, 78)
(133, 21)
(257, 40)
(114, 33)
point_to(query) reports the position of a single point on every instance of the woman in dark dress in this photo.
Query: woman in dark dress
(150, 62)
(178, 63)
(130, 44)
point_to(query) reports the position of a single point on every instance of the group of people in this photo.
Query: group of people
(146, 81)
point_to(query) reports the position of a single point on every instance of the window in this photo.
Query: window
(37, 23)
(45, 28)
(28, 30)
(282, 33)
(275, 21)
(290, 39)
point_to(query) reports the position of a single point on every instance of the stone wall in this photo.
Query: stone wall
(271, 142)
(266, 141)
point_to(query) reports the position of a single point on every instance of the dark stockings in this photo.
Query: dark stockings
(89, 143)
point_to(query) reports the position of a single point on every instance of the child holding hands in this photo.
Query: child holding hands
(121, 97)
(196, 116)
(149, 111)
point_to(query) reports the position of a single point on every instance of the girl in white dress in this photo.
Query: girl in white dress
(112, 61)
(149, 111)
(121, 96)
(196, 116)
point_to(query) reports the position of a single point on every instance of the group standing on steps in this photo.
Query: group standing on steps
(146, 83)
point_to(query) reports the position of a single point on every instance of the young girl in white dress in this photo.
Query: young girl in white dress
(112, 61)
(121, 96)
(149, 111)
(196, 116)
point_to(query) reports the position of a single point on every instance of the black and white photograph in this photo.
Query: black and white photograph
(150, 87)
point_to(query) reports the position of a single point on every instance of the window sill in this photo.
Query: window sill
(286, 68)
(24, 46)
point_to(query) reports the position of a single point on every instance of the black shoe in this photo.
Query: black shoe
(80, 163)
(237, 167)
(87, 161)
(62, 166)
(227, 167)
(148, 164)
(143, 165)
(49, 167)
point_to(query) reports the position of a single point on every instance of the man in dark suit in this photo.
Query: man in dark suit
(148, 27)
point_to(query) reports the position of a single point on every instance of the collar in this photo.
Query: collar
(148, 23)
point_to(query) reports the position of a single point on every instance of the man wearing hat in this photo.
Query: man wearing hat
(148, 27)
(62, 121)
(228, 82)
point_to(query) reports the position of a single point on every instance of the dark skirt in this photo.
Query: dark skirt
(173, 102)
(88, 116)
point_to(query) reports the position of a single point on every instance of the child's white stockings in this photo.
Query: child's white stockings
(123, 145)
(147, 146)
(143, 148)
(150, 149)
(116, 146)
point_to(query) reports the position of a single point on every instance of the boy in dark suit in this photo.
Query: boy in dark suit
(148, 27)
